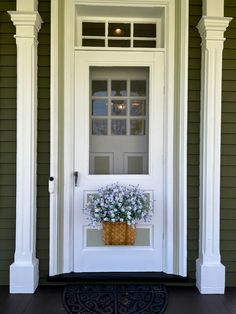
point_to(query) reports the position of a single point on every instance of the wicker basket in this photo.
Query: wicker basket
(118, 233)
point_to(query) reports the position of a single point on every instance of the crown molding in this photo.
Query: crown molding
(213, 28)
(21, 18)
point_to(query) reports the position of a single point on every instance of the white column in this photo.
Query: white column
(24, 270)
(210, 273)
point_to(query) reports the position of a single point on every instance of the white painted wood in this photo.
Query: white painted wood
(210, 273)
(65, 151)
(24, 270)
(168, 161)
(54, 141)
(27, 6)
(68, 136)
(102, 259)
(180, 150)
(213, 8)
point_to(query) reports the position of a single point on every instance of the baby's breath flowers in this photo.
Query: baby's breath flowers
(118, 203)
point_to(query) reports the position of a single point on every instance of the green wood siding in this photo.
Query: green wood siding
(195, 13)
(7, 140)
(43, 141)
(228, 149)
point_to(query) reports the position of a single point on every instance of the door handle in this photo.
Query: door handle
(76, 175)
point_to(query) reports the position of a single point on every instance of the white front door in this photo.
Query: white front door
(118, 137)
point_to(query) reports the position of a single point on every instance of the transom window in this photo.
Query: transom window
(128, 34)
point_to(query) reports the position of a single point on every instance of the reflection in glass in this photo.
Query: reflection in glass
(99, 88)
(119, 29)
(119, 88)
(137, 127)
(118, 107)
(119, 120)
(99, 126)
(118, 127)
(138, 108)
(138, 88)
(99, 107)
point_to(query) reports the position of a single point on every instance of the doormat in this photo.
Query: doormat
(115, 298)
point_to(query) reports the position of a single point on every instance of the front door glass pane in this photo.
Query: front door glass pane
(119, 130)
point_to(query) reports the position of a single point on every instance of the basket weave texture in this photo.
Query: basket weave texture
(118, 233)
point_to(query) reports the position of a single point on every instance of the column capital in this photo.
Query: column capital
(213, 28)
(27, 23)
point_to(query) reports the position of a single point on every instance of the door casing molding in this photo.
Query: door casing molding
(62, 150)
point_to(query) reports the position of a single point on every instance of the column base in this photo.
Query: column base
(24, 277)
(210, 277)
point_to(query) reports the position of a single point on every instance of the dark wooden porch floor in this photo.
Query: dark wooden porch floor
(182, 300)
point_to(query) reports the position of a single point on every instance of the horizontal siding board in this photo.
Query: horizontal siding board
(228, 245)
(228, 181)
(227, 149)
(7, 147)
(7, 114)
(43, 72)
(8, 71)
(227, 203)
(229, 96)
(229, 74)
(7, 190)
(7, 169)
(229, 54)
(7, 201)
(228, 160)
(8, 136)
(7, 82)
(229, 107)
(228, 128)
(7, 50)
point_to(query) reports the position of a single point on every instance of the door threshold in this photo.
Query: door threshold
(118, 276)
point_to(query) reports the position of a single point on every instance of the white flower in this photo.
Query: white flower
(117, 202)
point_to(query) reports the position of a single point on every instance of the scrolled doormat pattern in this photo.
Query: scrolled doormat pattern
(115, 298)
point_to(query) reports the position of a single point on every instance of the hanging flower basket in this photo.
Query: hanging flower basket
(118, 233)
(118, 208)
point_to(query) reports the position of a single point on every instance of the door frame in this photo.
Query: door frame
(61, 141)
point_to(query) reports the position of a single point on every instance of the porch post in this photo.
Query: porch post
(24, 270)
(210, 273)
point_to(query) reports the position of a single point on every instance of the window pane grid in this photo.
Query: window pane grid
(108, 112)
(146, 35)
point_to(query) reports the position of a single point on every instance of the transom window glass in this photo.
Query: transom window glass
(120, 34)
(118, 120)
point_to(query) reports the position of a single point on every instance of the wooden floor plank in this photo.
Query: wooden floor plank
(182, 300)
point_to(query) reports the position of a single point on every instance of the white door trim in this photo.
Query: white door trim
(61, 211)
